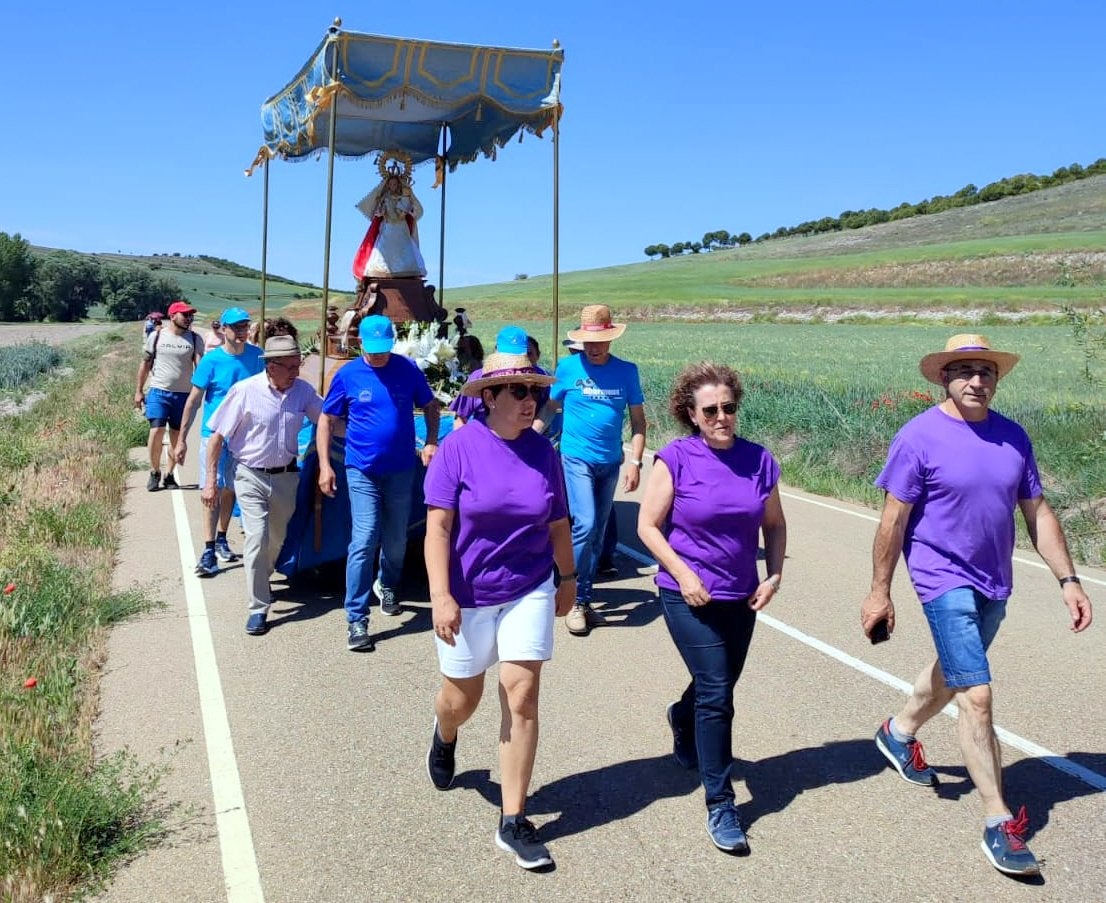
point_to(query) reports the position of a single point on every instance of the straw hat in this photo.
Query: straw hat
(963, 347)
(596, 325)
(280, 346)
(500, 369)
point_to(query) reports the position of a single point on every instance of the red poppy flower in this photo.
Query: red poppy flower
(30, 683)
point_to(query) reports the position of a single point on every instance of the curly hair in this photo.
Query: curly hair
(695, 376)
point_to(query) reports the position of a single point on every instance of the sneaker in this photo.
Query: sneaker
(520, 837)
(388, 603)
(683, 741)
(441, 761)
(207, 566)
(257, 624)
(1005, 847)
(908, 758)
(170, 481)
(223, 550)
(724, 828)
(153, 484)
(359, 639)
(577, 621)
(606, 569)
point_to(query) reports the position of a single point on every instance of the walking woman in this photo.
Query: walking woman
(708, 499)
(496, 525)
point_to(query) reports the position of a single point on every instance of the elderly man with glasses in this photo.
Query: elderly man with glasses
(169, 358)
(221, 368)
(953, 478)
(259, 420)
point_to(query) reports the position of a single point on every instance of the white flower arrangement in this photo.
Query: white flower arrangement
(435, 357)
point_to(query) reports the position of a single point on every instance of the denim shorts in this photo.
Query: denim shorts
(165, 407)
(964, 622)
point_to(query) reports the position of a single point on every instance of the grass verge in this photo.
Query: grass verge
(65, 818)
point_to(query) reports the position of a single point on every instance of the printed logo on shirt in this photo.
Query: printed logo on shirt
(589, 389)
(366, 396)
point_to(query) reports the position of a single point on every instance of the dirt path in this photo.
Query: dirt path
(50, 333)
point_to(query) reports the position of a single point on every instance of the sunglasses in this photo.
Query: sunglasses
(710, 411)
(519, 391)
(186, 316)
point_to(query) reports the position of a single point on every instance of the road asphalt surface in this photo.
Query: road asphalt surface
(297, 768)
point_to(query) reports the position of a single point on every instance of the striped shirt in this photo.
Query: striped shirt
(260, 424)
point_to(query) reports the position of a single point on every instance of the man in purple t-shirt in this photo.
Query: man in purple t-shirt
(953, 478)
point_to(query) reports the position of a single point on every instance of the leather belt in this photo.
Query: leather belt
(287, 468)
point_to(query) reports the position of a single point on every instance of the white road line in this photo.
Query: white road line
(240, 874)
(1029, 562)
(1086, 775)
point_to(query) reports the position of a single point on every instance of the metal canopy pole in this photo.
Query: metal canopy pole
(265, 245)
(329, 214)
(441, 225)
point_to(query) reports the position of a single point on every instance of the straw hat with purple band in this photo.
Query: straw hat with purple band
(966, 347)
(501, 368)
(596, 325)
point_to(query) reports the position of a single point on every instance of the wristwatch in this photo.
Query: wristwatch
(1071, 579)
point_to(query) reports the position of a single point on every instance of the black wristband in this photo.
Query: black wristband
(563, 577)
(1071, 579)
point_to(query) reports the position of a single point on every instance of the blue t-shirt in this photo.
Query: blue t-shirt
(378, 405)
(595, 399)
(218, 370)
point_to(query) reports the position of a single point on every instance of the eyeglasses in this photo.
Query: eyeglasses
(519, 391)
(967, 371)
(710, 411)
(293, 364)
(186, 316)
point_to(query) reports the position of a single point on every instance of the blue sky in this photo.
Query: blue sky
(128, 125)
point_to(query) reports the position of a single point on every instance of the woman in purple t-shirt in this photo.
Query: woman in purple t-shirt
(496, 523)
(709, 497)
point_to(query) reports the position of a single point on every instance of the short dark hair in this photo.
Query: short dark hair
(532, 345)
(694, 377)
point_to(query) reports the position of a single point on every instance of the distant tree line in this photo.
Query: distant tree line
(63, 286)
(856, 219)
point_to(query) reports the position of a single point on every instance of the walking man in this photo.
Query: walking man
(595, 389)
(259, 420)
(222, 367)
(169, 358)
(953, 477)
(374, 397)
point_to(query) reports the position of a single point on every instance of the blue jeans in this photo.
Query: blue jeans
(590, 489)
(713, 640)
(379, 507)
(964, 622)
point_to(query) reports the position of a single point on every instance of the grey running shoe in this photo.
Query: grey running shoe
(389, 605)
(359, 639)
(153, 484)
(441, 760)
(517, 835)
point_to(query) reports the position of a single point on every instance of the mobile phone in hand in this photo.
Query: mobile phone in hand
(879, 632)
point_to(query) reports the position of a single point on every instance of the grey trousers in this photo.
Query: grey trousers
(266, 502)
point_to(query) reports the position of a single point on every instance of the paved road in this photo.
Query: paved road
(300, 765)
(50, 333)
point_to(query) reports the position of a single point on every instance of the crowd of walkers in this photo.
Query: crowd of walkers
(516, 528)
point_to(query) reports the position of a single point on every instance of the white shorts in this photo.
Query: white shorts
(519, 631)
(224, 476)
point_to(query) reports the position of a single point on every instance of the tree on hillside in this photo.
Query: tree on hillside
(17, 273)
(132, 292)
(743, 239)
(650, 251)
(664, 250)
(65, 287)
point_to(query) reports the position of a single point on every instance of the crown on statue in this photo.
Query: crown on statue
(394, 163)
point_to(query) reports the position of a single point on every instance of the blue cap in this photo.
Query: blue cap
(511, 340)
(377, 335)
(234, 315)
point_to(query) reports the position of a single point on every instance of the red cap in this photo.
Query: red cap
(181, 307)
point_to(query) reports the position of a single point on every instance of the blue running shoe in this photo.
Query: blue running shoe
(223, 550)
(1005, 847)
(908, 758)
(207, 566)
(725, 830)
(257, 623)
